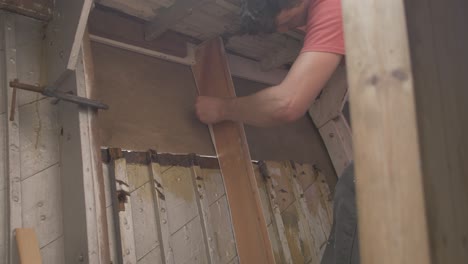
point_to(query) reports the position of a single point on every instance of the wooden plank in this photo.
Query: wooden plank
(214, 211)
(161, 209)
(64, 36)
(167, 17)
(39, 9)
(277, 219)
(28, 247)
(213, 78)
(13, 144)
(336, 135)
(185, 224)
(4, 234)
(123, 214)
(42, 204)
(386, 144)
(80, 192)
(332, 98)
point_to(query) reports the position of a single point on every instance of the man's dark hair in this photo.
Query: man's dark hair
(259, 16)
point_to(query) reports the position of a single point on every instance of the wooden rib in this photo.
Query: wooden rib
(213, 78)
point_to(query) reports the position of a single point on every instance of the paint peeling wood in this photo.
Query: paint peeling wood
(38, 9)
(336, 135)
(13, 144)
(124, 223)
(213, 78)
(144, 222)
(42, 205)
(216, 218)
(161, 213)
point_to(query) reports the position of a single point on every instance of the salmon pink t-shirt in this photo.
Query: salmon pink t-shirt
(324, 29)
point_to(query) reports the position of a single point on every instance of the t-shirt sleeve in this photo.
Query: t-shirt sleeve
(324, 31)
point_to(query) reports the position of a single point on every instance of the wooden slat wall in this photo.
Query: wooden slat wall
(180, 211)
(38, 174)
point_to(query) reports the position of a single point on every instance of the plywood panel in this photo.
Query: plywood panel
(39, 136)
(151, 103)
(188, 244)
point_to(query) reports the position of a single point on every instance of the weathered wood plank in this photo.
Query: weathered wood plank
(336, 135)
(215, 214)
(12, 139)
(123, 215)
(39, 9)
(389, 176)
(161, 209)
(39, 137)
(64, 36)
(213, 78)
(332, 99)
(167, 17)
(276, 219)
(42, 204)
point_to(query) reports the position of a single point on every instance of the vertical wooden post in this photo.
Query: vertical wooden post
(213, 78)
(407, 69)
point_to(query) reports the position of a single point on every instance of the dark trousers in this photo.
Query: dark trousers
(343, 246)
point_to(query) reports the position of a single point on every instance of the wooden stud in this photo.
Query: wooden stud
(393, 227)
(213, 78)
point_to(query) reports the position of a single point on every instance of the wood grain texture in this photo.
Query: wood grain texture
(38, 9)
(213, 78)
(389, 178)
(28, 247)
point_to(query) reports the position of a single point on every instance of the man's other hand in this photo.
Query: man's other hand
(210, 110)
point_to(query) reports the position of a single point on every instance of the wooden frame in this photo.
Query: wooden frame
(408, 106)
(213, 78)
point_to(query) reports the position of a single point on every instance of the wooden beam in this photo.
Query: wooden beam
(39, 9)
(408, 109)
(63, 38)
(170, 16)
(213, 78)
(28, 246)
(287, 54)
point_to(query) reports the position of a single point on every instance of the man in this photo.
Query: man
(322, 52)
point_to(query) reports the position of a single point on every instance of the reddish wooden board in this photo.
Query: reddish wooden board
(213, 78)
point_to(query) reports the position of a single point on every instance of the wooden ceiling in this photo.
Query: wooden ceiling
(205, 19)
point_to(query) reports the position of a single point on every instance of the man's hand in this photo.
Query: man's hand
(210, 110)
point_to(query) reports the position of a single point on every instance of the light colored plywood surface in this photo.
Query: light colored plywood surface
(53, 253)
